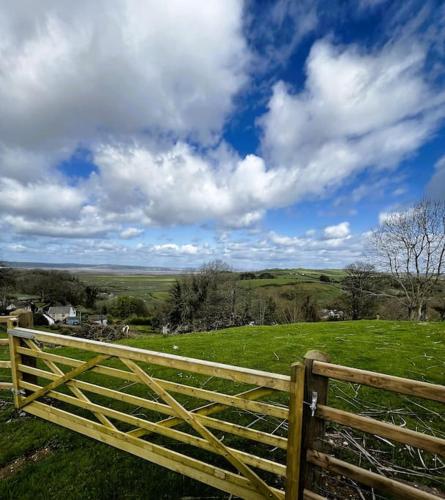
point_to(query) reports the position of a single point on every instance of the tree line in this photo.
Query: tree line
(404, 272)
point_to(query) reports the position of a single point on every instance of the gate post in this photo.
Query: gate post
(294, 433)
(14, 357)
(23, 320)
(313, 428)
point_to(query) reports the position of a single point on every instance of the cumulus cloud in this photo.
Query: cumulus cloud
(41, 199)
(88, 224)
(182, 186)
(75, 69)
(338, 231)
(149, 98)
(357, 110)
(173, 248)
(130, 232)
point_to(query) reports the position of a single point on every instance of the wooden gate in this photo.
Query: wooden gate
(286, 451)
(257, 474)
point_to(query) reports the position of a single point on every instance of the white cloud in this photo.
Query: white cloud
(88, 224)
(75, 69)
(181, 186)
(173, 248)
(135, 84)
(41, 199)
(358, 110)
(339, 231)
(130, 232)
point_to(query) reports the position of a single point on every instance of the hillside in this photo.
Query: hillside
(155, 286)
(73, 467)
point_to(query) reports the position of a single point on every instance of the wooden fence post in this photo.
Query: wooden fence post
(24, 320)
(294, 434)
(315, 392)
(14, 357)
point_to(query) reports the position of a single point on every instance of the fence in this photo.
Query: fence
(289, 472)
(318, 372)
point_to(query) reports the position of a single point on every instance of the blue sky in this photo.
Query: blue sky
(173, 133)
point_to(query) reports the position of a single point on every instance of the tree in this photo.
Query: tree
(7, 285)
(309, 309)
(360, 287)
(53, 287)
(247, 276)
(126, 306)
(91, 293)
(410, 246)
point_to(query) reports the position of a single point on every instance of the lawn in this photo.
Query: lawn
(77, 467)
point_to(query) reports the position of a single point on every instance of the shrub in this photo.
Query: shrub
(123, 307)
(266, 276)
(247, 276)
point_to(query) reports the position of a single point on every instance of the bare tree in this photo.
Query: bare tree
(411, 247)
(360, 287)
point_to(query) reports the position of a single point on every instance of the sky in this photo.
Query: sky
(263, 133)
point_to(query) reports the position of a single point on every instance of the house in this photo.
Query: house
(61, 313)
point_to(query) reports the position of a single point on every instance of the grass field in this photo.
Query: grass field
(76, 467)
(147, 287)
(156, 287)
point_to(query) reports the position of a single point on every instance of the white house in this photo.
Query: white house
(61, 313)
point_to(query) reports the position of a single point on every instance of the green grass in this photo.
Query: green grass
(156, 287)
(147, 287)
(82, 468)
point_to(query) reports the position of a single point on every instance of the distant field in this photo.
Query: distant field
(147, 287)
(156, 287)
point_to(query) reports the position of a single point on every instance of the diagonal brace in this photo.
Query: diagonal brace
(75, 390)
(207, 409)
(64, 378)
(191, 419)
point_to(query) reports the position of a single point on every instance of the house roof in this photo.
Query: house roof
(60, 310)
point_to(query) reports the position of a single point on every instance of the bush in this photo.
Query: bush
(324, 278)
(125, 306)
(140, 320)
(266, 276)
(247, 276)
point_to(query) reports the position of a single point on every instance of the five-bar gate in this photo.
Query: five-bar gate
(285, 451)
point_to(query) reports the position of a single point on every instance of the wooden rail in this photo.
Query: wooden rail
(248, 474)
(380, 381)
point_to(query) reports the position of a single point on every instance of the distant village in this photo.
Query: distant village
(52, 315)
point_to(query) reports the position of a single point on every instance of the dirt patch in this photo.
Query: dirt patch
(19, 463)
